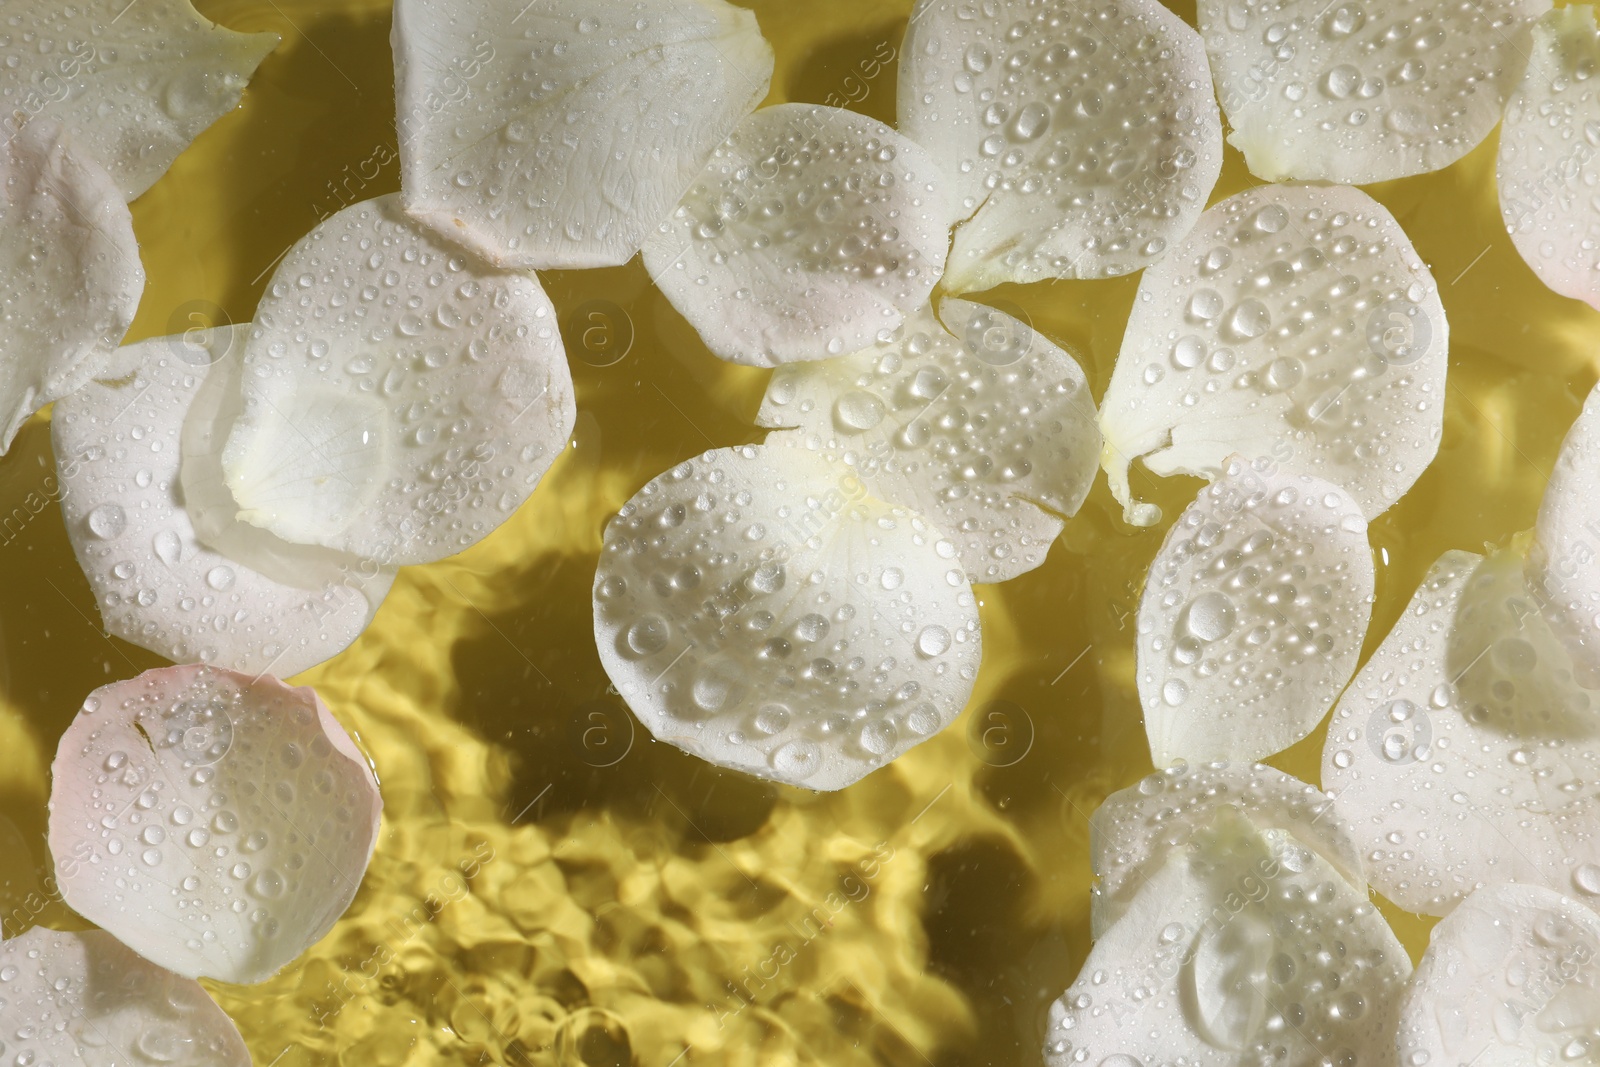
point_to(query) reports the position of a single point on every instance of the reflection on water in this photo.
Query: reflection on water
(552, 885)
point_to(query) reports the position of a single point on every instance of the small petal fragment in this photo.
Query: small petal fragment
(86, 999)
(1244, 947)
(1296, 323)
(560, 133)
(1132, 832)
(812, 231)
(1363, 92)
(70, 276)
(218, 825)
(978, 422)
(1509, 977)
(1548, 146)
(1253, 615)
(1562, 570)
(758, 608)
(1464, 753)
(401, 398)
(1083, 140)
(134, 83)
(171, 571)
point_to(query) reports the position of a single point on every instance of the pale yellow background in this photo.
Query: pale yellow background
(616, 919)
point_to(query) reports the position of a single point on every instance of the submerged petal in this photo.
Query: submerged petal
(217, 824)
(1509, 977)
(134, 83)
(978, 422)
(1548, 146)
(1464, 752)
(401, 398)
(1295, 323)
(758, 608)
(1243, 947)
(84, 998)
(1359, 93)
(560, 133)
(1253, 615)
(171, 568)
(1131, 833)
(1083, 140)
(812, 231)
(69, 271)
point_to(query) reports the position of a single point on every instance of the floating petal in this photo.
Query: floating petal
(1509, 977)
(1083, 140)
(561, 133)
(171, 570)
(133, 82)
(978, 422)
(1244, 947)
(1131, 833)
(1548, 146)
(1252, 616)
(218, 825)
(758, 608)
(1464, 753)
(1295, 323)
(1563, 573)
(1362, 92)
(84, 998)
(69, 271)
(810, 233)
(401, 398)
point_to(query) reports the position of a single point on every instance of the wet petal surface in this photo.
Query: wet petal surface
(977, 421)
(171, 568)
(85, 998)
(133, 83)
(1548, 163)
(1132, 832)
(812, 231)
(1361, 92)
(1253, 615)
(70, 276)
(1295, 323)
(1083, 140)
(561, 133)
(401, 397)
(1243, 947)
(217, 824)
(1464, 752)
(758, 608)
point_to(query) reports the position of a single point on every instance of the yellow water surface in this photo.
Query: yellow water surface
(552, 886)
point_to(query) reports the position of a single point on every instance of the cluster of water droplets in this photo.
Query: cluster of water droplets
(974, 421)
(199, 799)
(85, 998)
(755, 607)
(1468, 724)
(1244, 942)
(1361, 91)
